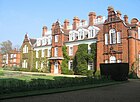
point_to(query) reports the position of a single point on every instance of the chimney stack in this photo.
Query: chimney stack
(76, 22)
(66, 24)
(119, 14)
(92, 17)
(110, 9)
(83, 22)
(53, 26)
(44, 31)
(126, 19)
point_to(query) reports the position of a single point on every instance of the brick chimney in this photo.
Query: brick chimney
(76, 22)
(110, 9)
(92, 17)
(83, 22)
(66, 24)
(53, 26)
(119, 14)
(44, 31)
(126, 19)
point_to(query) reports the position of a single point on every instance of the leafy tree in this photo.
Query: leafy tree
(6, 46)
(64, 64)
(80, 61)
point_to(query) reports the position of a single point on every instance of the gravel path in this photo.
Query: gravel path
(126, 92)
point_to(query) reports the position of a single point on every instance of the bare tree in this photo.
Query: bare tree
(6, 46)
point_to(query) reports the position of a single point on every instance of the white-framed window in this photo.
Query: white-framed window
(112, 34)
(14, 60)
(112, 59)
(42, 65)
(56, 51)
(89, 49)
(47, 63)
(43, 53)
(118, 37)
(92, 33)
(70, 50)
(37, 56)
(119, 61)
(38, 42)
(81, 34)
(56, 38)
(24, 64)
(11, 55)
(25, 49)
(36, 64)
(49, 52)
(106, 39)
(70, 63)
(44, 41)
(90, 65)
(15, 55)
(106, 61)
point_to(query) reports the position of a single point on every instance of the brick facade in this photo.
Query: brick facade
(117, 39)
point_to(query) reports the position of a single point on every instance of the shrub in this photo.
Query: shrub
(15, 85)
(1, 73)
(89, 73)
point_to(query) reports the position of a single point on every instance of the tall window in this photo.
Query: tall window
(38, 42)
(56, 38)
(43, 53)
(106, 61)
(112, 34)
(112, 59)
(25, 49)
(90, 66)
(70, 65)
(118, 37)
(106, 39)
(70, 50)
(14, 60)
(24, 64)
(37, 54)
(42, 65)
(36, 64)
(92, 33)
(56, 52)
(49, 52)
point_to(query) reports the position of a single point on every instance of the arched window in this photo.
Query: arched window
(112, 34)
(112, 59)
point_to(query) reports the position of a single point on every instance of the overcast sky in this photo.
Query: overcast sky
(20, 16)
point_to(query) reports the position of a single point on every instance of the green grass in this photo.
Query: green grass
(4, 74)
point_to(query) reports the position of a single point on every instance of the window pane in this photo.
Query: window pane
(106, 39)
(118, 37)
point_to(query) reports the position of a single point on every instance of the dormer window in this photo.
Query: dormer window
(81, 35)
(38, 42)
(92, 33)
(112, 34)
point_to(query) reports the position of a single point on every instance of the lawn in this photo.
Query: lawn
(15, 82)
(4, 74)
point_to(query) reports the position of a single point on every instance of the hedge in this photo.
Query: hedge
(15, 85)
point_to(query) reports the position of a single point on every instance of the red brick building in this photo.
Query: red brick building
(119, 41)
(10, 59)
